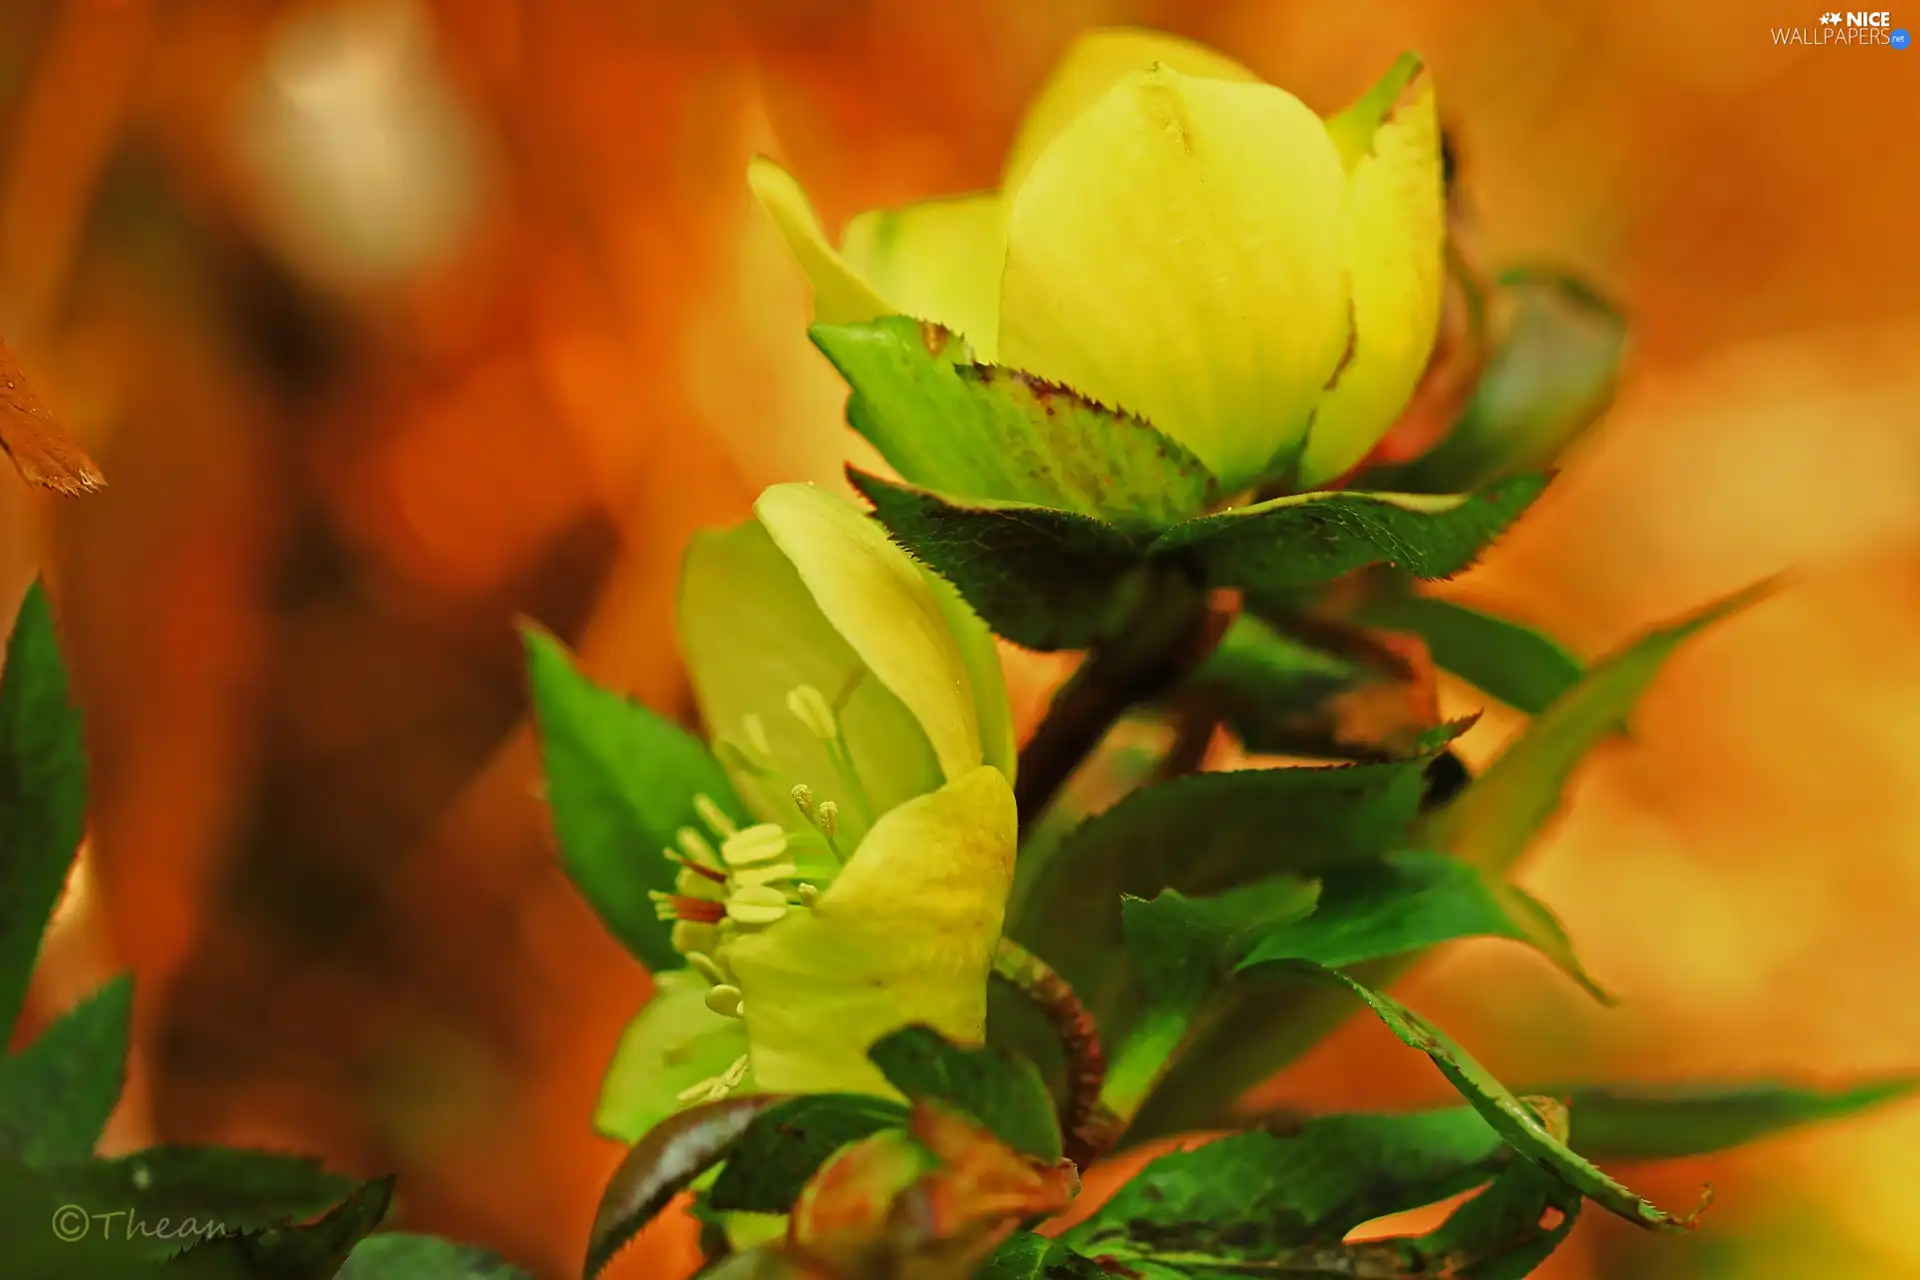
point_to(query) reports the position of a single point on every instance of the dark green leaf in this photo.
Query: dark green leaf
(316, 1251)
(1495, 818)
(1249, 1195)
(1041, 578)
(661, 1165)
(1268, 688)
(1198, 835)
(1504, 1232)
(399, 1256)
(1666, 1123)
(43, 794)
(1003, 1092)
(985, 433)
(1028, 1256)
(621, 782)
(1551, 377)
(783, 1147)
(1317, 537)
(1513, 1119)
(57, 1094)
(1516, 664)
(1407, 902)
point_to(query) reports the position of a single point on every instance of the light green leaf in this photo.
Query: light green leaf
(1317, 537)
(620, 783)
(57, 1094)
(982, 433)
(1003, 1092)
(1625, 1122)
(1511, 1118)
(1504, 1232)
(1042, 578)
(43, 793)
(1495, 818)
(1524, 668)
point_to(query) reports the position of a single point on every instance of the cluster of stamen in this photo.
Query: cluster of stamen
(757, 874)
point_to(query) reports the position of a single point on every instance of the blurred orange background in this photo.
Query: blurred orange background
(391, 323)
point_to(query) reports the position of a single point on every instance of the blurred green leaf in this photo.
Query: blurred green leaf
(783, 1147)
(1041, 578)
(620, 783)
(1028, 1256)
(57, 1094)
(1268, 687)
(1504, 1232)
(400, 1256)
(1512, 1119)
(1620, 1122)
(1521, 667)
(43, 794)
(1317, 537)
(1551, 377)
(314, 1251)
(1003, 1092)
(981, 433)
(1491, 823)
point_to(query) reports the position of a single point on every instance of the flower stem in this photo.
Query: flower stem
(1087, 1130)
(1170, 630)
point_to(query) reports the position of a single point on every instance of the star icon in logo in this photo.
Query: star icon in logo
(1829, 19)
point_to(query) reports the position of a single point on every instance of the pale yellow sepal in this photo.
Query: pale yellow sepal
(840, 295)
(906, 933)
(1177, 252)
(938, 260)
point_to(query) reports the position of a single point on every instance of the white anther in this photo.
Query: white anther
(696, 847)
(802, 797)
(747, 877)
(763, 842)
(809, 895)
(827, 818)
(705, 965)
(812, 709)
(724, 1000)
(757, 905)
(756, 734)
(710, 813)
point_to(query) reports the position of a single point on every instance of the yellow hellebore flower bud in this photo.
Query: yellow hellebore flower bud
(1174, 237)
(859, 705)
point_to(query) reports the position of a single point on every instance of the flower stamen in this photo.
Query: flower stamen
(679, 906)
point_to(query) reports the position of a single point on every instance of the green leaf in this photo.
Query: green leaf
(1514, 663)
(1504, 1232)
(401, 1256)
(49, 1237)
(1491, 823)
(1551, 377)
(1317, 537)
(1618, 1122)
(315, 1251)
(43, 794)
(1003, 1092)
(1250, 1195)
(58, 1093)
(226, 1189)
(620, 782)
(783, 1147)
(1511, 1118)
(1042, 578)
(980, 432)
(1029, 1256)
(1198, 835)
(1407, 902)
(1267, 687)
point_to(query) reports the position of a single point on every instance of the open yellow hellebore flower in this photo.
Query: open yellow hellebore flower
(859, 706)
(1173, 237)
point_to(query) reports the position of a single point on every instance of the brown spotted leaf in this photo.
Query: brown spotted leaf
(40, 447)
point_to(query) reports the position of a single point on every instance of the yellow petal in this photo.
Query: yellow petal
(877, 599)
(840, 295)
(752, 633)
(1176, 252)
(906, 933)
(937, 261)
(1095, 63)
(1394, 248)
